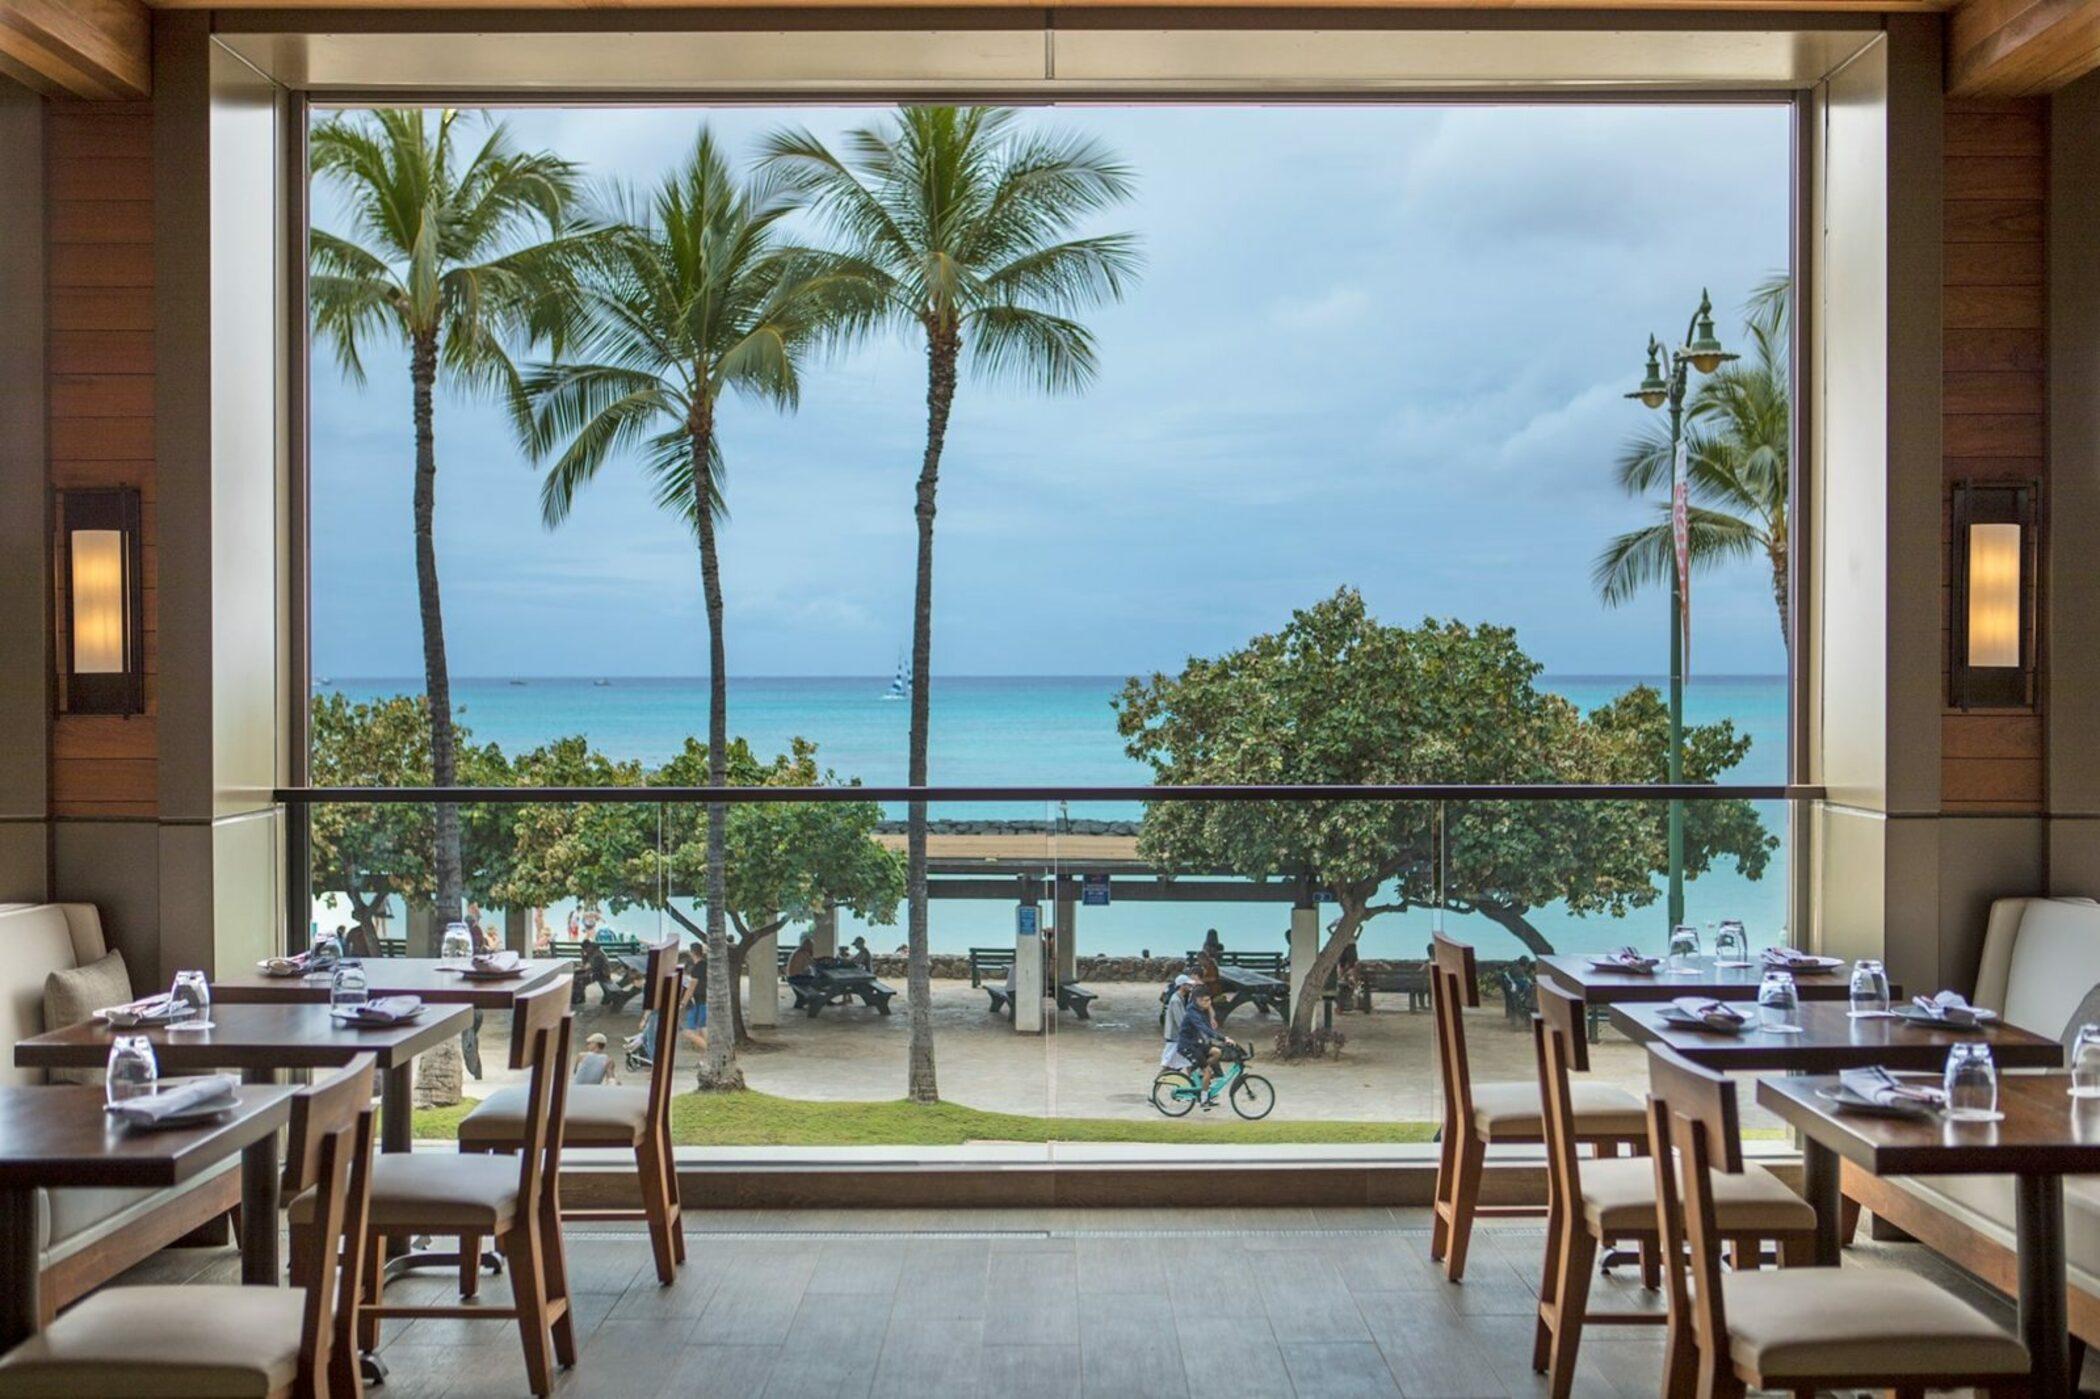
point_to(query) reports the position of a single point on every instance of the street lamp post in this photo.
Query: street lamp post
(1703, 352)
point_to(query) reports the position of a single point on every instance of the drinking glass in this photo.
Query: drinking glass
(193, 991)
(1779, 1004)
(457, 946)
(1971, 1084)
(347, 987)
(1870, 989)
(1684, 949)
(327, 951)
(2085, 1063)
(133, 1070)
(1731, 944)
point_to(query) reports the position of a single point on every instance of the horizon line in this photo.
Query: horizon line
(593, 677)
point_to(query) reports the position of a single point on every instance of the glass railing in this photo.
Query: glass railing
(1058, 922)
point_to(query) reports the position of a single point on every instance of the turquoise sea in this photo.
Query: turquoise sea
(1060, 730)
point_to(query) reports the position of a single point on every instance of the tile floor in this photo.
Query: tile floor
(1211, 1304)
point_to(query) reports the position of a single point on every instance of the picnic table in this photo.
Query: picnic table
(1245, 986)
(1070, 996)
(823, 986)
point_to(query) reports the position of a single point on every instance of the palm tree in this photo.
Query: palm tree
(1737, 434)
(456, 251)
(698, 295)
(962, 223)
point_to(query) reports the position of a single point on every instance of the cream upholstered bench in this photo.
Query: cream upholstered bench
(2041, 957)
(86, 1237)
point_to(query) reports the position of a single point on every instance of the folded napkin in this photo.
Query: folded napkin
(1954, 1009)
(384, 1010)
(149, 1109)
(1718, 1015)
(1878, 1085)
(500, 961)
(1626, 959)
(150, 1010)
(288, 966)
(1794, 960)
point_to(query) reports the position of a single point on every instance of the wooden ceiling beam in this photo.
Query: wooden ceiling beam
(2020, 48)
(80, 48)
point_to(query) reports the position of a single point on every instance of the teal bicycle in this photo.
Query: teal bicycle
(1175, 1093)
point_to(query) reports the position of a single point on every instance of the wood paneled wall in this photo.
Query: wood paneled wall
(1994, 390)
(99, 173)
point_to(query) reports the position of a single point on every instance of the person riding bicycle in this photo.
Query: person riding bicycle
(1201, 1043)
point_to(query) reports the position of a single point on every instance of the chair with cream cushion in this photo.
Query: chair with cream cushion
(1799, 1330)
(1477, 1115)
(1593, 1204)
(513, 1200)
(629, 1117)
(200, 1341)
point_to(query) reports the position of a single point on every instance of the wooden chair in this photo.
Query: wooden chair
(1477, 1115)
(607, 1115)
(1800, 1330)
(1598, 1203)
(224, 1339)
(516, 1203)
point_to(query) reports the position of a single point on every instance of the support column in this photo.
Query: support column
(824, 932)
(762, 981)
(1067, 931)
(517, 930)
(1305, 944)
(1028, 981)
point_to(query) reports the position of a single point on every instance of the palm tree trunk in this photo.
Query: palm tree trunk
(437, 678)
(942, 347)
(720, 1071)
(1775, 550)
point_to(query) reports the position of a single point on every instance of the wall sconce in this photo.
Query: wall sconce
(1991, 634)
(103, 668)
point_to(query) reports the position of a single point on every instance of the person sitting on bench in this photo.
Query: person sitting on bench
(803, 960)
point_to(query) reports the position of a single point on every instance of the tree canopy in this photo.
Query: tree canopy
(1336, 696)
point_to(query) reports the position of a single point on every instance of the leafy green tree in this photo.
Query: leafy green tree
(1336, 697)
(699, 296)
(787, 861)
(1737, 439)
(962, 224)
(369, 853)
(457, 252)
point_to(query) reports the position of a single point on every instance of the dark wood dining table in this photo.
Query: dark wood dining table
(260, 1041)
(1830, 1040)
(2044, 1136)
(1605, 987)
(432, 978)
(58, 1137)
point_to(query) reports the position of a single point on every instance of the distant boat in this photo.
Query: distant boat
(900, 683)
(601, 684)
(517, 682)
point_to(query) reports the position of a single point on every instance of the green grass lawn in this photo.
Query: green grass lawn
(758, 1119)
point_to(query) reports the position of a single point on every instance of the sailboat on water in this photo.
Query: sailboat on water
(900, 683)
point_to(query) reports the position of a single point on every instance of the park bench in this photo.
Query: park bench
(1070, 996)
(1268, 963)
(612, 947)
(1413, 982)
(992, 962)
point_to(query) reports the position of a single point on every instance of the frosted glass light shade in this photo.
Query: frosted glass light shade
(1994, 595)
(99, 627)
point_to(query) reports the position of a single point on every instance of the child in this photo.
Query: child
(594, 1065)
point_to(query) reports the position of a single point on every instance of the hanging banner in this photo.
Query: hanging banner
(1681, 541)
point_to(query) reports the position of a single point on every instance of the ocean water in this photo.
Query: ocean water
(1060, 730)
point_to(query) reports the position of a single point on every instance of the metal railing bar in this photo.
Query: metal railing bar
(733, 796)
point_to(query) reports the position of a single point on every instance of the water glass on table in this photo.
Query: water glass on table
(1971, 1084)
(133, 1071)
(1684, 950)
(347, 987)
(327, 951)
(2085, 1063)
(1870, 990)
(456, 949)
(1731, 945)
(191, 990)
(1779, 1004)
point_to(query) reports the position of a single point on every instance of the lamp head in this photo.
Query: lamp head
(1654, 390)
(1705, 351)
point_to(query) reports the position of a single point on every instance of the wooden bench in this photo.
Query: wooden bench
(993, 962)
(1070, 996)
(1275, 964)
(1412, 982)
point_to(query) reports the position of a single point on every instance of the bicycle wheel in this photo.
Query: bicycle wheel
(1252, 1097)
(1174, 1094)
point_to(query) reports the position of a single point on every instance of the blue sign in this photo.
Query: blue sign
(1028, 921)
(1093, 891)
(1325, 896)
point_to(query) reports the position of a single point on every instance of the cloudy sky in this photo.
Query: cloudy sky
(1383, 346)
